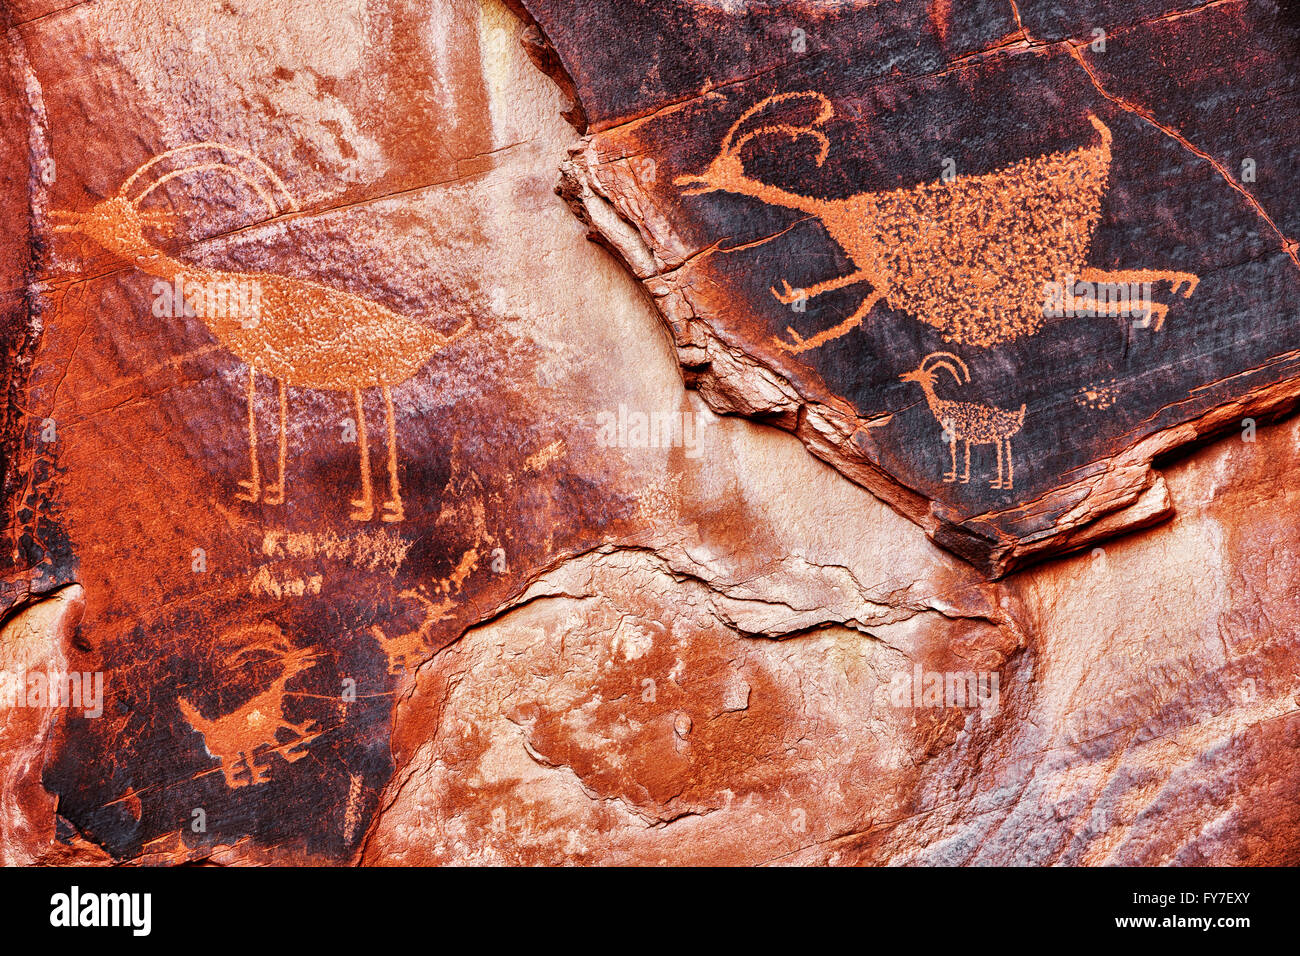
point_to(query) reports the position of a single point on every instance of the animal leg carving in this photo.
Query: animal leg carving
(1180, 282)
(1010, 468)
(363, 508)
(965, 475)
(952, 453)
(230, 770)
(1175, 279)
(295, 752)
(821, 338)
(257, 772)
(393, 506)
(275, 494)
(254, 482)
(788, 295)
(1153, 310)
(233, 767)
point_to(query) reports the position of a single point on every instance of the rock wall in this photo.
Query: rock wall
(520, 574)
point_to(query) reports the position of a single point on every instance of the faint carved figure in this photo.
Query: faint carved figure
(1099, 395)
(405, 650)
(970, 256)
(303, 334)
(239, 737)
(973, 424)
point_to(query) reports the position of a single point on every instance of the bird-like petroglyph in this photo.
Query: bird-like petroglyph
(301, 333)
(242, 739)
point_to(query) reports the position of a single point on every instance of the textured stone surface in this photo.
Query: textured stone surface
(823, 200)
(586, 640)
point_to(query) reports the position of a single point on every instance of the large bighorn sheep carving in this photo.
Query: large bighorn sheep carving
(971, 256)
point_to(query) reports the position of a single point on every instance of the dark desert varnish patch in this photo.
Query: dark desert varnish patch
(840, 192)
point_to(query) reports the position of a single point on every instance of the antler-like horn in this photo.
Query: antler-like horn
(824, 112)
(951, 361)
(272, 206)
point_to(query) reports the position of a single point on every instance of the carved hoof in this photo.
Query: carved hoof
(306, 732)
(786, 297)
(1155, 317)
(253, 487)
(949, 476)
(274, 495)
(393, 510)
(996, 484)
(965, 479)
(794, 346)
(362, 510)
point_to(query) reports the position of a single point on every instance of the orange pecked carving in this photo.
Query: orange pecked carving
(237, 738)
(971, 256)
(973, 424)
(301, 333)
(405, 650)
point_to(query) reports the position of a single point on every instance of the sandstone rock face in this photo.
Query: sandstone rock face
(526, 565)
(956, 227)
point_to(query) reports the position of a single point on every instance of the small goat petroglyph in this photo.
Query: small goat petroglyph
(971, 423)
